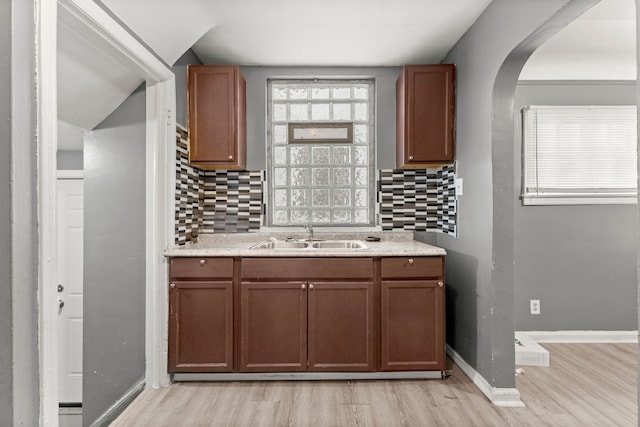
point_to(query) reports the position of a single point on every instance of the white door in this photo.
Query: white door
(70, 287)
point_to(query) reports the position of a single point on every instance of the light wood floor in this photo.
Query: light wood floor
(586, 385)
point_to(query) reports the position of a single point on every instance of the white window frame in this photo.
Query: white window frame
(533, 192)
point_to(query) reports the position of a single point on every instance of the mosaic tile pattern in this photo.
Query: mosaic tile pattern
(214, 201)
(418, 199)
(188, 209)
(232, 201)
(447, 200)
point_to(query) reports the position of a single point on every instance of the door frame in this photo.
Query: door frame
(90, 20)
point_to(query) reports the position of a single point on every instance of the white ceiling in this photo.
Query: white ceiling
(600, 45)
(294, 32)
(91, 84)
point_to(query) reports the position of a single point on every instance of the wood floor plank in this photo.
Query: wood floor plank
(586, 385)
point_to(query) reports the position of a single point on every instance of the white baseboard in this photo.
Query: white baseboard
(529, 352)
(506, 397)
(112, 413)
(568, 337)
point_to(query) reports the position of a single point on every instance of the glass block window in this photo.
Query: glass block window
(321, 183)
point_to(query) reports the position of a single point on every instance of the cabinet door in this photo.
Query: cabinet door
(412, 325)
(425, 115)
(341, 326)
(273, 326)
(217, 117)
(201, 327)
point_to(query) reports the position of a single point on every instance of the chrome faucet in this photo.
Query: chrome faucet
(309, 229)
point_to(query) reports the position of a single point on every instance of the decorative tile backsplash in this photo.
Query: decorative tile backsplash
(232, 201)
(188, 209)
(418, 199)
(214, 201)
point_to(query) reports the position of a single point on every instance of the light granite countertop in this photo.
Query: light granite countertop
(391, 244)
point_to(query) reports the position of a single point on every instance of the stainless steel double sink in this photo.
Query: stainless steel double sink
(311, 245)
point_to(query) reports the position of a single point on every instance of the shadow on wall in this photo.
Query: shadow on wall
(462, 293)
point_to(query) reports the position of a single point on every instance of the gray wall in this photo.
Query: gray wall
(385, 78)
(180, 70)
(19, 364)
(69, 160)
(479, 262)
(114, 257)
(6, 313)
(579, 261)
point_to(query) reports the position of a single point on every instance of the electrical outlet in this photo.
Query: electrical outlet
(534, 306)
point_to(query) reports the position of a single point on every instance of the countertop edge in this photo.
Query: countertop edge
(377, 249)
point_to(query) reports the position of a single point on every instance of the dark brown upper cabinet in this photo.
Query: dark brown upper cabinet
(216, 99)
(425, 116)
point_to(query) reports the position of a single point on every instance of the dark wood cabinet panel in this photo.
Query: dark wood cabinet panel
(307, 268)
(201, 327)
(306, 314)
(425, 115)
(201, 268)
(412, 325)
(341, 326)
(216, 116)
(273, 327)
(413, 267)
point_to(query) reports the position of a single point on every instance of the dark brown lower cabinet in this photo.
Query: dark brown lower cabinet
(412, 323)
(201, 326)
(273, 331)
(306, 326)
(308, 314)
(341, 326)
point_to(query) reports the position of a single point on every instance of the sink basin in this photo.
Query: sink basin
(269, 244)
(311, 245)
(339, 244)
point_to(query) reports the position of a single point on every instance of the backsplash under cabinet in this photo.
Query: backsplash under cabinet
(231, 201)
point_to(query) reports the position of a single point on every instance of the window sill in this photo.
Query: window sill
(563, 199)
(320, 229)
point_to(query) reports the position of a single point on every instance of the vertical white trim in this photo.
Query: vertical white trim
(87, 16)
(160, 134)
(89, 19)
(47, 144)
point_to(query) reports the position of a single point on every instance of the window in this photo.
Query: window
(321, 152)
(579, 155)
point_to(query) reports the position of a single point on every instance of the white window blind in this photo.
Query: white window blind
(579, 154)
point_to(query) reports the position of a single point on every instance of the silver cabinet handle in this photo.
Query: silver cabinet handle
(230, 157)
(410, 260)
(203, 261)
(304, 286)
(172, 285)
(310, 285)
(410, 157)
(440, 284)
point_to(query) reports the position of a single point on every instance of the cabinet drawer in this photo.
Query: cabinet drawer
(307, 268)
(417, 267)
(200, 268)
